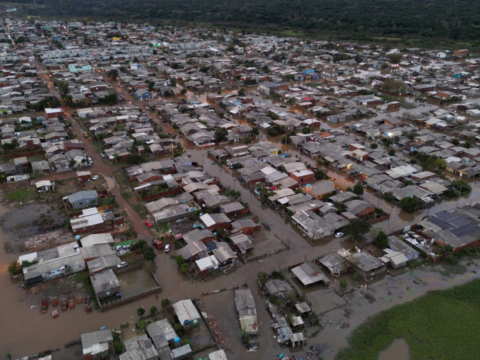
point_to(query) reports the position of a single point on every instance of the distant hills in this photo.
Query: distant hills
(444, 20)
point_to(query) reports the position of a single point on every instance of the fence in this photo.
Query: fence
(114, 303)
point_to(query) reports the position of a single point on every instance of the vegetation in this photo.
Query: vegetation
(426, 324)
(148, 253)
(140, 311)
(356, 228)
(440, 20)
(358, 189)
(18, 194)
(381, 239)
(220, 134)
(409, 204)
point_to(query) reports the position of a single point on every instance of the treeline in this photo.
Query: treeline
(441, 19)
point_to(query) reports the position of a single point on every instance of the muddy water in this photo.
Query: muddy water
(397, 350)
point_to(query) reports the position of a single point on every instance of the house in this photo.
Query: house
(215, 221)
(247, 226)
(278, 287)
(53, 113)
(360, 208)
(162, 334)
(97, 345)
(140, 347)
(319, 188)
(334, 263)
(303, 176)
(202, 235)
(218, 355)
(105, 284)
(368, 266)
(192, 250)
(187, 313)
(309, 273)
(266, 88)
(459, 228)
(317, 227)
(246, 311)
(241, 242)
(82, 199)
(143, 95)
(224, 254)
(232, 209)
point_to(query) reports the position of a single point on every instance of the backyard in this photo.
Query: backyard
(434, 326)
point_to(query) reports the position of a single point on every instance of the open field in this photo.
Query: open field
(440, 325)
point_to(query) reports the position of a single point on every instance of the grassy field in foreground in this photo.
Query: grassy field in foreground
(441, 325)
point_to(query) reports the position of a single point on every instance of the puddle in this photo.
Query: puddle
(397, 350)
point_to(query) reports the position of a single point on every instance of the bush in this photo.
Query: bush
(343, 283)
(382, 239)
(409, 204)
(358, 189)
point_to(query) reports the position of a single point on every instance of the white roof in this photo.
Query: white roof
(207, 220)
(27, 257)
(53, 110)
(302, 173)
(207, 262)
(268, 170)
(43, 183)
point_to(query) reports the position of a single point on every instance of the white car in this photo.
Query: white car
(122, 265)
(167, 248)
(96, 177)
(340, 234)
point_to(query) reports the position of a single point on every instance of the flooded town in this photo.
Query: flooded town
(182, 193)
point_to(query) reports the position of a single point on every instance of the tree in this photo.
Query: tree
(382, 239)
(135, 159)
(358, 189)
(291, 101)
(183, 91)
(395, 58)
(373, 145)
(141, 326)
(357, 228)
(255, 131)
(241, 92)
(108, 201)
(305, 130)
(14, 268)
(63, 88)
(409, 204)
(68, 100)
(140, 311)
(319, 174)
(113, 74)
(467, 145)
(135, 59)
(455, 142)
(165, 303)
(117, 343)
(153, 309)
(220, 134)
(391, 152)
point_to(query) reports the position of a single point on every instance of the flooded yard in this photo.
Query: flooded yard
(135, 282)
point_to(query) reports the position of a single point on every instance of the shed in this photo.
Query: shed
(187, 312)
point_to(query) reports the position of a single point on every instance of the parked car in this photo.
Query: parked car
(339, 234)
(96, 177)
(167, 248)
(157, 243)
(102, 196)
(149, 223)
(122, 265)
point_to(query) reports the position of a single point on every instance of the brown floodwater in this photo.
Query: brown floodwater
(397, 350)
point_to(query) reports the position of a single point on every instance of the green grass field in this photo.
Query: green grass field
(442, 325)
(19, 194)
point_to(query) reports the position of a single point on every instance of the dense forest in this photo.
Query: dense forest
(454, 20)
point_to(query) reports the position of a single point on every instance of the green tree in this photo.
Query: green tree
(141, 326)
(395, 58)
(153, 309)
(319, 174)
(68, 100)
(220, 134)
(305, 130)
(358, 189)
(108, 201)
(467, 145)
(113, 74)
(135, 159)
(14, 268)
(140, 311)
(63, 88)
(241, 92)
(165, 303)
(381, 239)
(357, 228)
(373, 145)
(135, 59)
(391, 152)
(409, 204)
